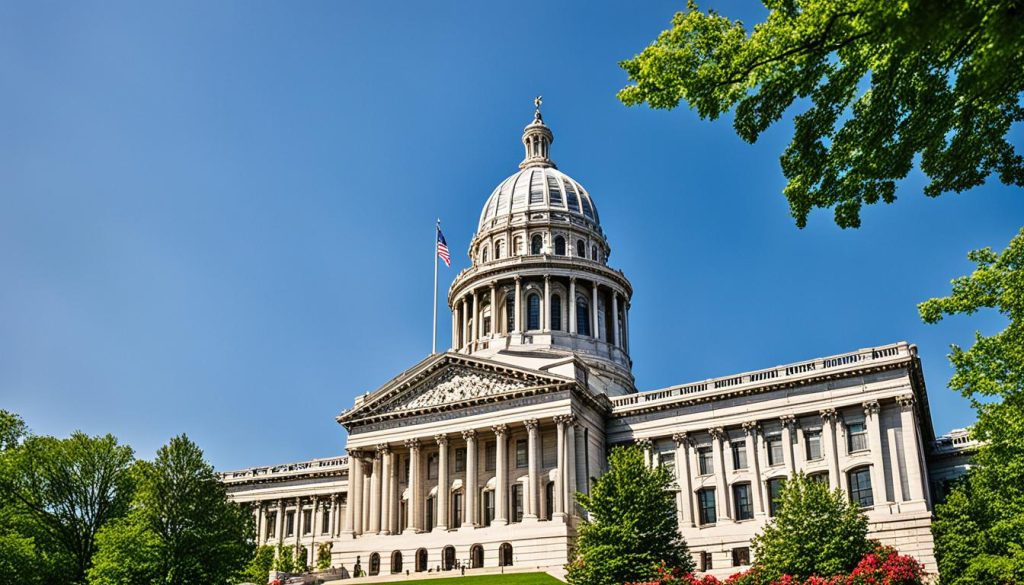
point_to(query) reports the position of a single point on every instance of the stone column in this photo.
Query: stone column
(385, 489)
(465, 322)
(477, 325)
(501, 476)
(441, 523)
(494, 312)
(788, 424)
(615, 318)
(547, 303)
(828, 435)
(395, 521)
(279, 529)
(572, 305)
(570, 448)
(261, 532)
(353, 516)
(334, 516)
(558, 508)
(722, 509)
(911, 448)
(375, 485)
(625, 326)
(753, 431)
(298, 521)
(878, 491)
(469, 513)
(595, 325)
(532, 430)
(685, 499)
(413, 506)
(646, 446)
(517, 317)
(314, 528)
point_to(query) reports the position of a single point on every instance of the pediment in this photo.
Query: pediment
(451, 381)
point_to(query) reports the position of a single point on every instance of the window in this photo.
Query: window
(517, 246)
(497, 250)
(325, 521)
(375, 564)
(533, 312)
(581, 249)
(593, 253)
(432, 466)
(307, 522)
(510, 312)
(460, 460)
(668, 461)
(857, 435)
(705, 460)
(705, 560)
(505, 555)
(549, 500)
(430, 513)
(741, 498)
(289, 524)
(740, 556)
(483, 255)
(421, 560)
(820, 477)
(559, 246)
(272, 525)
(536, 244)
(517, 503)
(860, 487)
(773, 443)
(456, 510)
(706, 502)
(490, 455)
(775, 495)
(488, 507)
(396, 562)
(521, 459)
(582, 317)
(813, 441)
(556, 313)
(739, 454)
(405, 469)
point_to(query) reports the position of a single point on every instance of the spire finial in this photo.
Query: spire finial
(537, 101)
(537, 139)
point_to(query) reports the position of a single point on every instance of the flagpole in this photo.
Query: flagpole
(437, 230)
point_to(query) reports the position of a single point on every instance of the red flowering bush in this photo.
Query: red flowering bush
(883, 566)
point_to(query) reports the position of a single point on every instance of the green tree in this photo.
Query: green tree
(979, 530)
(285, 559)
(878, 83)
(12, 430)
(632, 524)
(260, 565)
(182, 529)
(815, 531)
(58, 493)
(323, 556)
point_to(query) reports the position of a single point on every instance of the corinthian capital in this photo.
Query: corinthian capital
(469, 435)
(644, 443)
(716, 432)
(870, 407)
(681, 439)
(827, 414)
(531, 425)
(412, 444)
(500, 430)
(751, 427)
(788, 420)
(906, 402)
(442, 440)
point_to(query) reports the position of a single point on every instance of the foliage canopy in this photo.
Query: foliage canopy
(880, 84)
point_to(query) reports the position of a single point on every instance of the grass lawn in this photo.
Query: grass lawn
(510, 579)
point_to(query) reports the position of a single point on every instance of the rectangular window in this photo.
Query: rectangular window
(490, 455)
(857, 434)
(860, 487)
(706, 500)
(548, 451)
(739, 454)
(774, 495)
(813, 441)
(488, 507)
(521, 459)
(705, 460)
(405, 469)
(705, 561)
(325, 522)
(668, 461)
(289, 520)
(456, 510)
(773, 443)
(740, 556)
(272, 525)
(307, 522)
(460, 460)
(517, 503)
(430, 514)
(741, 497)
(432, 466)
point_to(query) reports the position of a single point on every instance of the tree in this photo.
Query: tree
(12, 430)
(632, 525)
(260, 565)
(979, 530)
(879, 84)
(815, 531)
(182, 529)
(323, 556)
(60, 492)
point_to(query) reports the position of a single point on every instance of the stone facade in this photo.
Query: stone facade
(471, 457)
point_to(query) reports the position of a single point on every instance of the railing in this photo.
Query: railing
(328, 464)
(860, 357)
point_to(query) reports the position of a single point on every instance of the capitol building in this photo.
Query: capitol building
(471, 457)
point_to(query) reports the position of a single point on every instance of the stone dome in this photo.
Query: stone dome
(538, 188)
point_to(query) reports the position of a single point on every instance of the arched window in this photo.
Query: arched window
(374, 564)
(517, 246)
(448, 558)
(582, 316)
(396, 561)
(497, 250)
(533, 312)
(559, 246)
(510, 312)
(581, 249)
(556, 313)
(421, 560)
(483, 255)
(860, 487)
(536, 244)
(486, 316)
(549, 500)
(593, 253)
(476, 556)
(505, 555)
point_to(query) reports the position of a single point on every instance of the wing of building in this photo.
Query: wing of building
(470, 457)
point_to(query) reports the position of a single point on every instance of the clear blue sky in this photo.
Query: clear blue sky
(217, 218)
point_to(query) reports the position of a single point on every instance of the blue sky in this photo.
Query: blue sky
(217, 218)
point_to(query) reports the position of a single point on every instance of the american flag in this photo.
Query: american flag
(442, 249)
